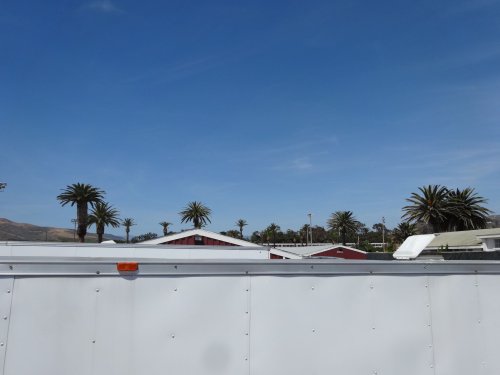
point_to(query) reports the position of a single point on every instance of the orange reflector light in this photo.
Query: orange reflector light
(127, 266)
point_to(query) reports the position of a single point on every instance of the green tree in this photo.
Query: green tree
(240, 224)
(272, 232)
(127, 223)
(447, 210)
(231, 233)
(431, 207)
(466, 211)
(144, 237)
(403, 231)
(197, 213)
(103, 215)
(165, 225)
(82, 195)
(345, 223)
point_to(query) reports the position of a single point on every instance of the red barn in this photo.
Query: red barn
(329, 250)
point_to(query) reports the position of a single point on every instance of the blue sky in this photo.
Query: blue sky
(262, 110)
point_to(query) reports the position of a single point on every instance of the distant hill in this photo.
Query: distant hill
(12, 231)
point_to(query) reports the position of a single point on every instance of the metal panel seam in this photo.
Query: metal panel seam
(249, 329)
(9, 319)
(431, 327)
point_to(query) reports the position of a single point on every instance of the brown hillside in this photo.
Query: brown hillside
(12, 231)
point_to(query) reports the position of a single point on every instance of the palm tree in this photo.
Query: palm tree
(82, 195)
(403, 231)
(127, 223)
(466, 210)
(2, 185)
(165, 225)
(272, 230)
(103, 215)
(240, 224)
(430, 207)
(196, 212)
(344, 222)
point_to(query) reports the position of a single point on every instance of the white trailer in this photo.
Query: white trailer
(79, 316)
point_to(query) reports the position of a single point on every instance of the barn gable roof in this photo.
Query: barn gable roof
(305, 251)
(199, 232)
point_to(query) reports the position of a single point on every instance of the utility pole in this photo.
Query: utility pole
(310, 228)
(383, 234)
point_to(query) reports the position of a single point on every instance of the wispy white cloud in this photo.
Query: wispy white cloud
(103, 6)
(302, 164)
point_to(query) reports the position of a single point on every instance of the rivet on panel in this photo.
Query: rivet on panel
(246, 333)
(432, 366)
(97, 290)
(314, 330)
(8, 290)
(426, 285)
(2, 344)
(175, 290)
(479, 321)
(10, 267)
(4, 318)
(312, 288)
(98, 272)
(246, 359)
(173, 336)
(93, 341)
(246, 312)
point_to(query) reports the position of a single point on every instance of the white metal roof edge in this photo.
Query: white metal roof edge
(486, 236)
(11, 266)
(199, 232)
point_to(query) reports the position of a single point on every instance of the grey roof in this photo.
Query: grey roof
(462, 239)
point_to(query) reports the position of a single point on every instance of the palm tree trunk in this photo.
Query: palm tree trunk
(127, 231)
(81, 216)
(100, 233)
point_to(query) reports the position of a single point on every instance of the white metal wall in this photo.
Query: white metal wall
(268, 324)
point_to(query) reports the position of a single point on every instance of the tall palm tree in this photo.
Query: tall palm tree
(196, 212)
(272, 230)
(430, 207)
(344, 222)
(403, 231)
(103, 215)
(240, 224)
(82, 195)
(165, 225)
(466, 210)
(127, 223)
